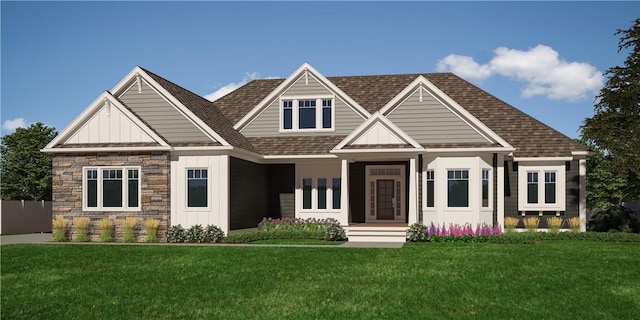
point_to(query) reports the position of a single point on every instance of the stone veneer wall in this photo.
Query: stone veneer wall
(155, 188)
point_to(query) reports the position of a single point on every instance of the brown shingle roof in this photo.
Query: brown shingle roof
(295, 145)
(530, 137)
(206, 111)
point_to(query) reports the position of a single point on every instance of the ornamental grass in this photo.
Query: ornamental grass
(510, 223)
(574, 224)
(105, 226)
(151, 229)
(129, 229)
(81, 225)
(531, 223)
(60, 226)
(554, 224)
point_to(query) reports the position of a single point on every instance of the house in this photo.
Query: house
(377, 153)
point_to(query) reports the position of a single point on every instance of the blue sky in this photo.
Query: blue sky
(545, 58)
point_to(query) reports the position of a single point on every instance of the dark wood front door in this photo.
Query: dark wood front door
(384, 202)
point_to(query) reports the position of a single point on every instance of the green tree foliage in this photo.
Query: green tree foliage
(615, 127)
(25, 171)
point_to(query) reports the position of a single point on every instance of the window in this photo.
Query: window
(111, 188)
(197, 185)
(322, 193)
(430, 189)
(306, 193)
(337, 185)
(541, 187)
(307, 114)
(287, 114)
(485, 187)
(458, 188)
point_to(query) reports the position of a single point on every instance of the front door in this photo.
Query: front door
(385, 199)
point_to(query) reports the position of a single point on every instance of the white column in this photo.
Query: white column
(344, 193)
(224, 205)
(413, 192)
(583, 195)
(500, 190)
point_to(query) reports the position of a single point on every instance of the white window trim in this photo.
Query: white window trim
(314, 194)
(125, 188)
(186, 190)
(470, 189)
(560, 204)
(490, 207)
(295, 115)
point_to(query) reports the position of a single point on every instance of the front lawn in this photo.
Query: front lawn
(550, 280)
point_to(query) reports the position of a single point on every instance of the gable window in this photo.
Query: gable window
(541, 188)
(197, 188)
(307, 114)
(458, 188)
(111, 188)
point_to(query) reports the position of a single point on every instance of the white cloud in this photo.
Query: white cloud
(224, 90)
(540, 68)
(11, 125)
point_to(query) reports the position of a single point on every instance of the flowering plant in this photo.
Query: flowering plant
(452, 233)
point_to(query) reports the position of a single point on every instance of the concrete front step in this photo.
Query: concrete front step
(376, 234)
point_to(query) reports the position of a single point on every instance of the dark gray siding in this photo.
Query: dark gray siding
(161, 116)
(572, 200)
(247, 194)
(282, 185)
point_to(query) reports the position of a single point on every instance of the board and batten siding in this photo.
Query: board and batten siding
(431, 122)
(160, 115)
(267, 123)
(109, 125)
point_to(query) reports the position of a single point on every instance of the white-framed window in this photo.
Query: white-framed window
(541, 187)
(307, 114)
(458, 188)
(317, 194)
(111, 188)
(197, 188)
(431, 189)
(486, 188)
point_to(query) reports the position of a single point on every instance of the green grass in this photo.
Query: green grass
(305, 242)
(552, 280)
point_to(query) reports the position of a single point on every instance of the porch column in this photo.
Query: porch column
(500, 189)
(344, 193)
(413, 192)
(582, 206)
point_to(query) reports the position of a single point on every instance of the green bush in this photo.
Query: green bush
(614, 219)
(335, 232)
(534, 237)
(176, 234)
(418, 232)
(213, 234)
(255, 235)
(195, 234)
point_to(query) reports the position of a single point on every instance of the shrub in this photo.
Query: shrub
(335, 232)
(554, 224)
(129, 226)
(511, 223)
(418, 232)
(195, 234)
(105, 227)
(614, 219)
(537, 237)
(531, 223)
(82, 228)
(60, 226)
(574, 224)
(213, 234)
(320, 229)
(151, 229)
(176, 234)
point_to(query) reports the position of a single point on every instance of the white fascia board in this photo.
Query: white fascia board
(542, 159)
(439, 95)
(305, 67)
(299, 157)
(139, 72)
(375, 151)
(377, 117)
(203, 148)
(581, 154)
(91, 110)
(106, 149)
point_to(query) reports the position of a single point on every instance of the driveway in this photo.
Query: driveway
(26, 238)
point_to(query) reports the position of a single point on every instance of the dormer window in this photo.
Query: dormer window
(307, 114)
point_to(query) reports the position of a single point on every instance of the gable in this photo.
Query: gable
(378, 134)
(375, 133)
(428, 120)
(159, 114)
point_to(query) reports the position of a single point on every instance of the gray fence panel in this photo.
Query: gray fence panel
(25, 216)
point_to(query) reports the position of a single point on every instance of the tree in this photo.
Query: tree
(615, 127)
(25, 172)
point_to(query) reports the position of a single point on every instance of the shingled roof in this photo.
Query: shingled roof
(530, 137)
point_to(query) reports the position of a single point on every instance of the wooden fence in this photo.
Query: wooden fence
(25, 216)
